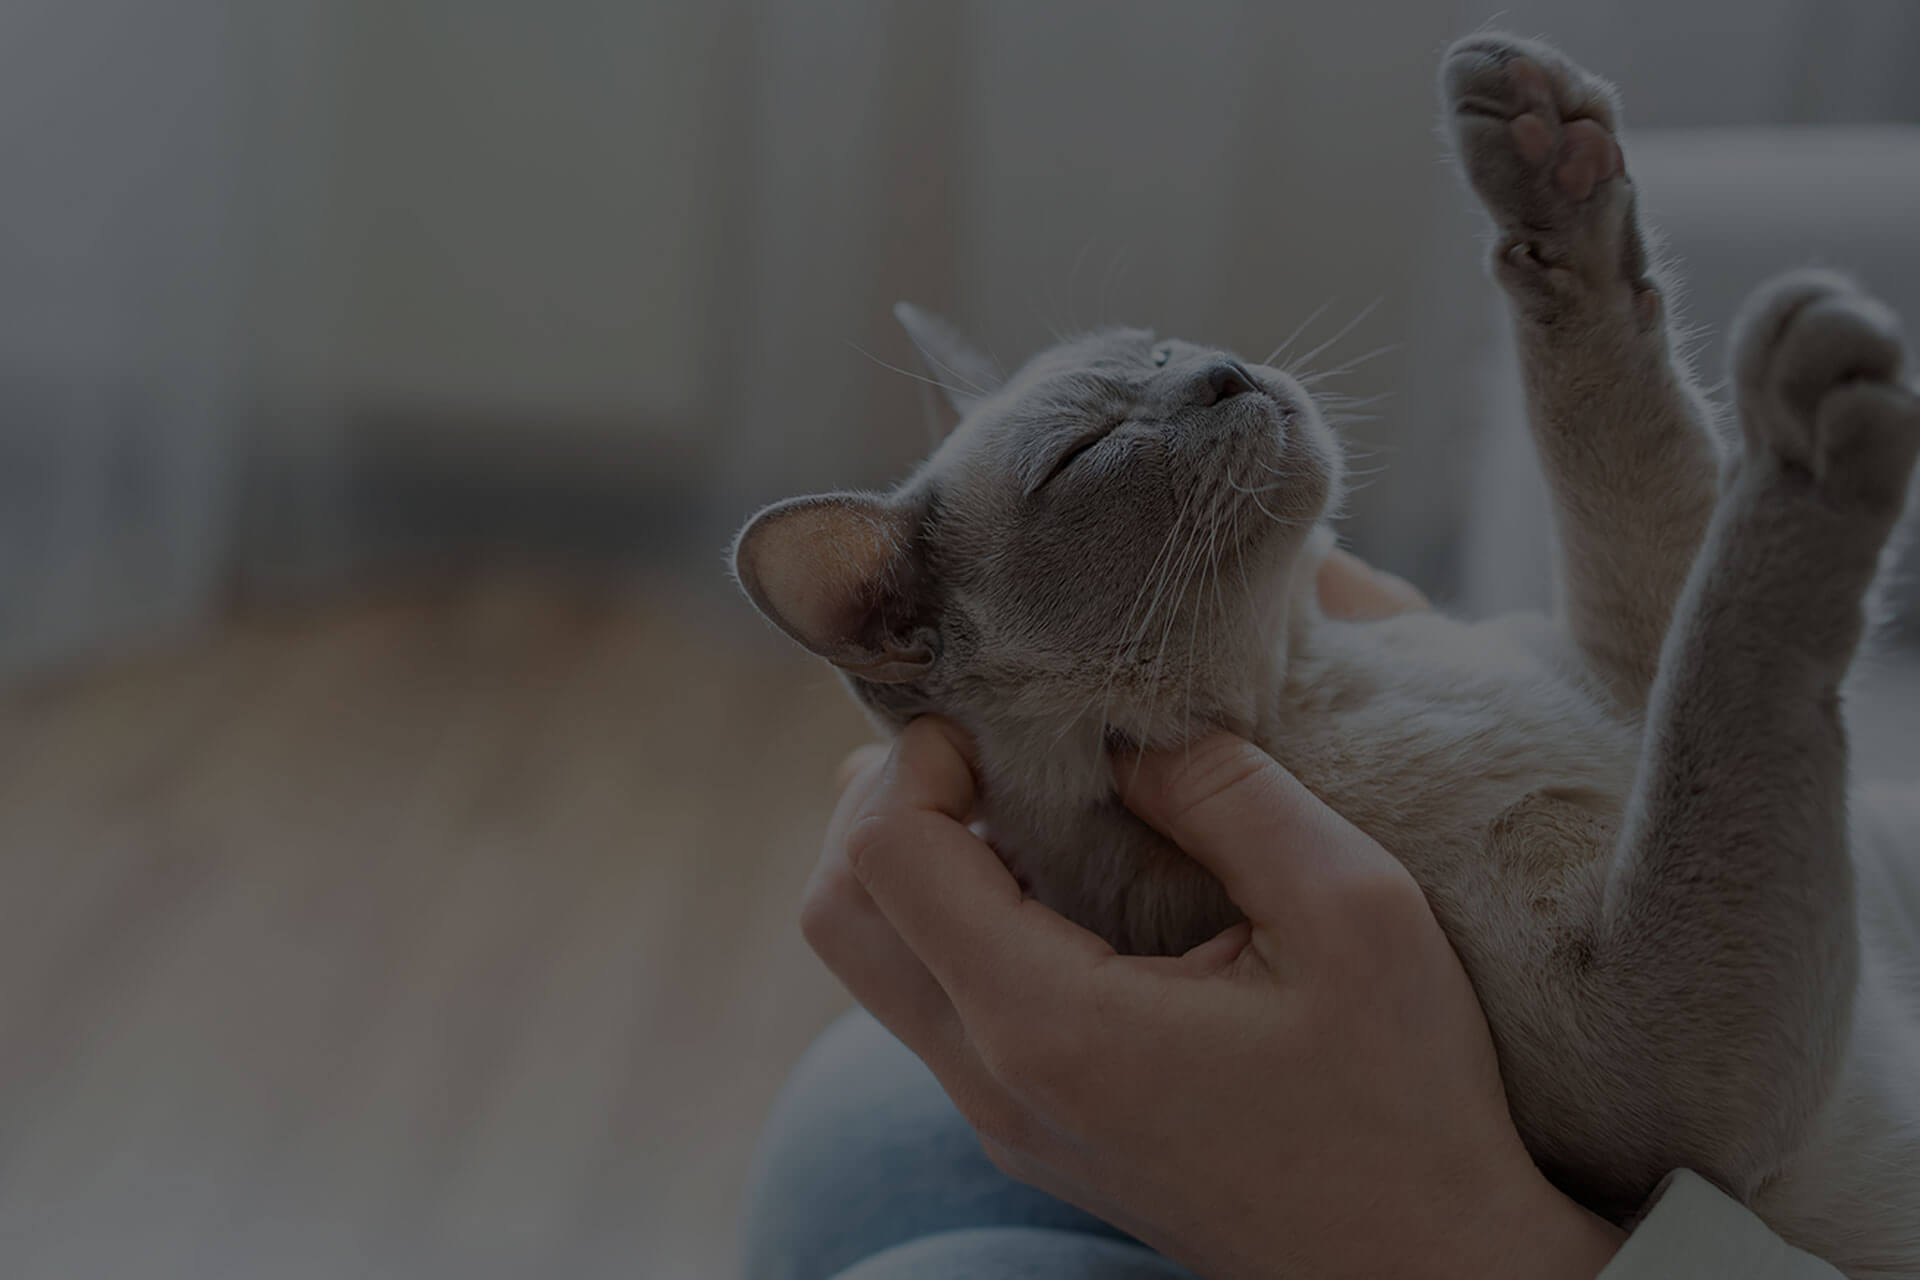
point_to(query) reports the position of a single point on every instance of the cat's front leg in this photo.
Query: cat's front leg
(1711, 1003)
(1621, 428)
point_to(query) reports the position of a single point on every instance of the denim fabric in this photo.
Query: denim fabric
(866, 1172)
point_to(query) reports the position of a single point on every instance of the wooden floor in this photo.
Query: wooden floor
(439, 937)
(446, 937)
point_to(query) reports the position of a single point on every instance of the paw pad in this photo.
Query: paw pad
(1535, 135)
(1816, 370)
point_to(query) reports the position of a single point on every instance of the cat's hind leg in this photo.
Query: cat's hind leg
(1621, 428)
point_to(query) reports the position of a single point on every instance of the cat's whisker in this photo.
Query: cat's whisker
(1189, 564)
(1311, 379)
(1210, 567)
(968, 383)
(1345, 329)
(1153, 582)
(1218, 618)
(1341, 401)
(1290, 472)
(917, 377)
(1157, 668)
(1356, 448)
(1299, 329)
(1167, 546)
(1281, 521)
(1265, 488)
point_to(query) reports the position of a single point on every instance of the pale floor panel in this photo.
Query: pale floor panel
(448, 938)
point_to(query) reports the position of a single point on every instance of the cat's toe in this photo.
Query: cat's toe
(1816, 369)
(1534, 131)
(1536, 137)
(1502, 77)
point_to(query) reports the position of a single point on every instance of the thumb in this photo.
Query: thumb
(1279, 851)
(1354, 590)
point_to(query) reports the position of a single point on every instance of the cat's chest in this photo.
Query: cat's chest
(1438, 739)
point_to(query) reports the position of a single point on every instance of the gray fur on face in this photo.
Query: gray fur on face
(1632, 818)
(1103, 550)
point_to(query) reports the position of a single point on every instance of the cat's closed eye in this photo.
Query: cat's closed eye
(1078, 450)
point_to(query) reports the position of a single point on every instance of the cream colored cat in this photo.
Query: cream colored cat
(1631, 818)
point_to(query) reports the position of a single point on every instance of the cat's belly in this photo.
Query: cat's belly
(1453, 744)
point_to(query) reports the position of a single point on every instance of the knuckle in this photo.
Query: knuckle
(820, 910)
(869, 840)
(1218, 770)
(1044, 1066)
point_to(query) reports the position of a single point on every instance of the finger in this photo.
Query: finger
(1279, 851)
(947, 893)
(1354, 590)
(858, 761)
(860, 775)
(1216, 953)
(861, 948)
(857, 942)
(930, 768)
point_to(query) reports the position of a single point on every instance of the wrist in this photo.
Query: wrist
(1555, 1238)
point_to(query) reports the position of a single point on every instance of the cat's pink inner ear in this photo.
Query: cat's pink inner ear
(825, 571)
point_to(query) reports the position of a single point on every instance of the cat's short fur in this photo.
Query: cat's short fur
(1631, 818)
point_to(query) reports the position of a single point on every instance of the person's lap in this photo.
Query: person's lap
(867, 1172)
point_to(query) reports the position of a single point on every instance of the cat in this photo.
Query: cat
(1631, 817)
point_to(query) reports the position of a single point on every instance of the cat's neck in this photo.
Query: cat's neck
(1416, 728)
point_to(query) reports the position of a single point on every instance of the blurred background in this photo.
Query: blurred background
(401, 820)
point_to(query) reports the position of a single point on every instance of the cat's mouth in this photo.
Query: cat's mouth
(1268, 462)
(1260, 407)
(1287, 395)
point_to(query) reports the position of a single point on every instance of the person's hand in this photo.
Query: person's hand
(1311, 1094)
(1349, 588)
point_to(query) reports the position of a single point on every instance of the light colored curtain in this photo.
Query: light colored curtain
(238, 238)
(167, 307)
(117, 320)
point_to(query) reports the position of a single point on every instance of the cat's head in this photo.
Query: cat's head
(1110, 543)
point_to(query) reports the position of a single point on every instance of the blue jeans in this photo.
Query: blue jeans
(866, 1172)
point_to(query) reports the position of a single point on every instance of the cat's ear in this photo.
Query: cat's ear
(836, 573)
(962, 371)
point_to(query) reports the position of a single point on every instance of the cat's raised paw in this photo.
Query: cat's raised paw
(1535, 135)
(1816, 367)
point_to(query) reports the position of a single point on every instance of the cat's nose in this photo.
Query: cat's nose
(1222, 380)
